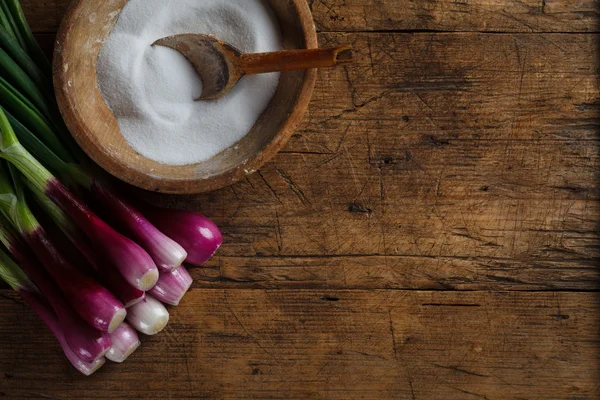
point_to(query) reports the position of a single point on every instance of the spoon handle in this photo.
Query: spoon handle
(290, 60)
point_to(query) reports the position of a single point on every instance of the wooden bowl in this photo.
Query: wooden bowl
(88, 23)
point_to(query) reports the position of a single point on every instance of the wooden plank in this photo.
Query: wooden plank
(331, 345)
(450, 15)
(396, 272)
(395, 15)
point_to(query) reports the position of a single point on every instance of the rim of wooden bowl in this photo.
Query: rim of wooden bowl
(178, 186)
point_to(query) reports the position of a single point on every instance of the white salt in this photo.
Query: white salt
(151, 90)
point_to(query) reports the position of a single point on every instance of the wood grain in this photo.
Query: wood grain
(438, 15)
(459, 151)
(305, 344)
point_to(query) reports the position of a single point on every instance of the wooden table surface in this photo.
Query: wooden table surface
(431, 231)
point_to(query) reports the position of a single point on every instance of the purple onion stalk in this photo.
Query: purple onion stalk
(95, 264)
(125, 341)
(87, 343)
(43, 310)
(172, 286)
(166, 253)
(93, 302)
(126, 293)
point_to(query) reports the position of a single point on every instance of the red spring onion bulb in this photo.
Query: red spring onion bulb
(86, 342)
(124, 342)
(93, 302)
(86, 368)
(166, 253)
(44, 311)
(149, 316)
(172, 286)
(197, 234)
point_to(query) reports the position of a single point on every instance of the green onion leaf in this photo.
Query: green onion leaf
(23, 82)
(6, 24)
(10, 21)
(28, 115)
(32, 46)
(16, 52)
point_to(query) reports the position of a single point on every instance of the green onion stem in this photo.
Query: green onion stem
(12, 151)
(32, 82)
(25, 220)
(35, 145)
(57, 216)
(67, 171)
(33, 47)
(28, 115)
(22, 81)
(7, 134)
(16, 52)
(29, 166)
(10, 20)
(8, 198)
(6, 23)
(13, 275)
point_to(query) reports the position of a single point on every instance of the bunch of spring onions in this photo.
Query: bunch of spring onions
(94, 284)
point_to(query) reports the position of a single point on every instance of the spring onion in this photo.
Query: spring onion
(133, 262)
(198, 235)
(149, 316)
(50, 319)
(166, 253)
(155, 239)
(125, 341)
(14, 276)
(5, 23)
(107, 274)
(86, 342)
(94, 303)
(172, 286)
(126, 293)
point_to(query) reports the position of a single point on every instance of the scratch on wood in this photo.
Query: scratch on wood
(462, 371)
(45, 396)
(412, 390)
(467, 392)
(393, 335)
(292, 185)
(228, 306)
(279, 237)
(392, 89)
(269, 186)
(450, 305)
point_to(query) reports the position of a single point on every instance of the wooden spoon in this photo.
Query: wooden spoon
(221, 65)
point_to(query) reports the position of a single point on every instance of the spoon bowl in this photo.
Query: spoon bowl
(88, 23)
